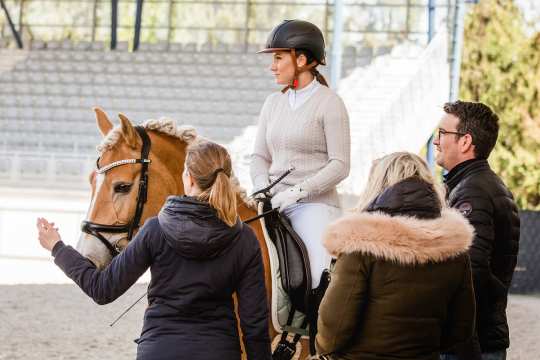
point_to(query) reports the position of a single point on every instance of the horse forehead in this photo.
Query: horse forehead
(119, 152)
(97, 193)
(101, 182)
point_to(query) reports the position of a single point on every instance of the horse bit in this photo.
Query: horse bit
(95, 229)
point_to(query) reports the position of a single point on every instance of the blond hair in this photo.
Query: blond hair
(209, 164)
(391, 169)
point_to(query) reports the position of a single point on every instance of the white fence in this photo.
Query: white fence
(22, 260)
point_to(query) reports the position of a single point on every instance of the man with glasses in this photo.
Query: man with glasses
(467, 133)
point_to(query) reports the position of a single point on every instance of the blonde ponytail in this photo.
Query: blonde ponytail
(222, 197)
(210, 166)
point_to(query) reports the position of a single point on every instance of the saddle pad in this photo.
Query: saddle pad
(281, 304)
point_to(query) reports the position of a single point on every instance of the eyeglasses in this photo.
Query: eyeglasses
(441, 132)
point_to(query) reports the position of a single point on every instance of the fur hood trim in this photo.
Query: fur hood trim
(405, 240)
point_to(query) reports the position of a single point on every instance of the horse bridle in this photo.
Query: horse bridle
(95, 229)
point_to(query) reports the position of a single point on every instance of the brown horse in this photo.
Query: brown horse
(115, 192)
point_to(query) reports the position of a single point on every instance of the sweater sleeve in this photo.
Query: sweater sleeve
(261, 158)
(338, 143)
(253, 307)
(105, 286)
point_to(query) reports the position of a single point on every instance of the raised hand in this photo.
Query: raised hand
(47, 234)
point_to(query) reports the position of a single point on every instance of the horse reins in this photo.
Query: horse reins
(266, 192)
(96, 229)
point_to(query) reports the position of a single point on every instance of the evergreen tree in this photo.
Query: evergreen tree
(501, 68)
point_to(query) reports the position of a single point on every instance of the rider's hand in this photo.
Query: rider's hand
(288, 197)
(48, 235)
(260, 197)
(259, 185)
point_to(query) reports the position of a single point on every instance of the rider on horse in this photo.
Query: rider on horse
(305, 127)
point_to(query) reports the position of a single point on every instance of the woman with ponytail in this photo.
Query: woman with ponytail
(199, 253)
(305, 127)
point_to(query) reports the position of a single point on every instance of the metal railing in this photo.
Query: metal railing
(228, 21)
(31, 169)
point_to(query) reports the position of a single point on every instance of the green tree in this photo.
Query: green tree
(501, 68)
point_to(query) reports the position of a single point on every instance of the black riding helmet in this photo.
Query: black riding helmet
(299, 35)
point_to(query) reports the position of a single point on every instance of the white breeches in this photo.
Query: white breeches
(309, 220)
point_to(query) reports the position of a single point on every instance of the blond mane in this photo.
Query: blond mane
(186, 133)
(163, 125)
(250, 203)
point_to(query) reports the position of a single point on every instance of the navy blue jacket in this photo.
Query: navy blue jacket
(196, 263)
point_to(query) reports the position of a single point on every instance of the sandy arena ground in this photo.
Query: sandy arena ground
(39, 322)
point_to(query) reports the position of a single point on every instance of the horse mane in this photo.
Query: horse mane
(186, 133)
(241, 191)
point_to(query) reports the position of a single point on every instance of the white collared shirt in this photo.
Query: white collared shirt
(299, 97)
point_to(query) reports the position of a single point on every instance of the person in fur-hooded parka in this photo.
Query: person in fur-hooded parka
(401, 286)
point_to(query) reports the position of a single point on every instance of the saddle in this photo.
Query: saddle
(293, 259)
(295, 280)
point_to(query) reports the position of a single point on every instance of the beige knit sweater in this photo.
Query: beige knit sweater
(314, 139)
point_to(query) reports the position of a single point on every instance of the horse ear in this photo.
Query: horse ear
(128, 132)
(104, 124)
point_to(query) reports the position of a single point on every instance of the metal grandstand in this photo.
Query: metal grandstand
(217, 21)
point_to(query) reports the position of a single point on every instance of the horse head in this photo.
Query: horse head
(119, 180)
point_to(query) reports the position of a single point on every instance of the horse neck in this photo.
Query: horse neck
(244, 210)
(165, 171)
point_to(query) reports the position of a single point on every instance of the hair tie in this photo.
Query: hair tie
(218, 170)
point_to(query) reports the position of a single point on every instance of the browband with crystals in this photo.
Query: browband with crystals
(120, 163)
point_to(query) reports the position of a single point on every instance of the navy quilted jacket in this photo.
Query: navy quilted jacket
(197, 262)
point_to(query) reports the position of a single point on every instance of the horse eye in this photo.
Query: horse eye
(122, 188)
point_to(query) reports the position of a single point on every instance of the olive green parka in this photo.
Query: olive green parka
(401, 287)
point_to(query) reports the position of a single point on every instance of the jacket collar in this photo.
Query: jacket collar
(405, 240)
(409, 197)
(455, 175)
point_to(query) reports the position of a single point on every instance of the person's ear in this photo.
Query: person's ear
(466, 143)
(186, 176)
(186, 181)
(301, 60)
(190, 179)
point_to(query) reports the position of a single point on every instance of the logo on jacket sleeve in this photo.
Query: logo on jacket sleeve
(465, 208)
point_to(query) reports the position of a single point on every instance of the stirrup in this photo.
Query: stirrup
(285, 350)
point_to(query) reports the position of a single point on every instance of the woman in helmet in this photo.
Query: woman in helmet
(305, 126)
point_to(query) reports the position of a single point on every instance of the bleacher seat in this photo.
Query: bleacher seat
(46, 100)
